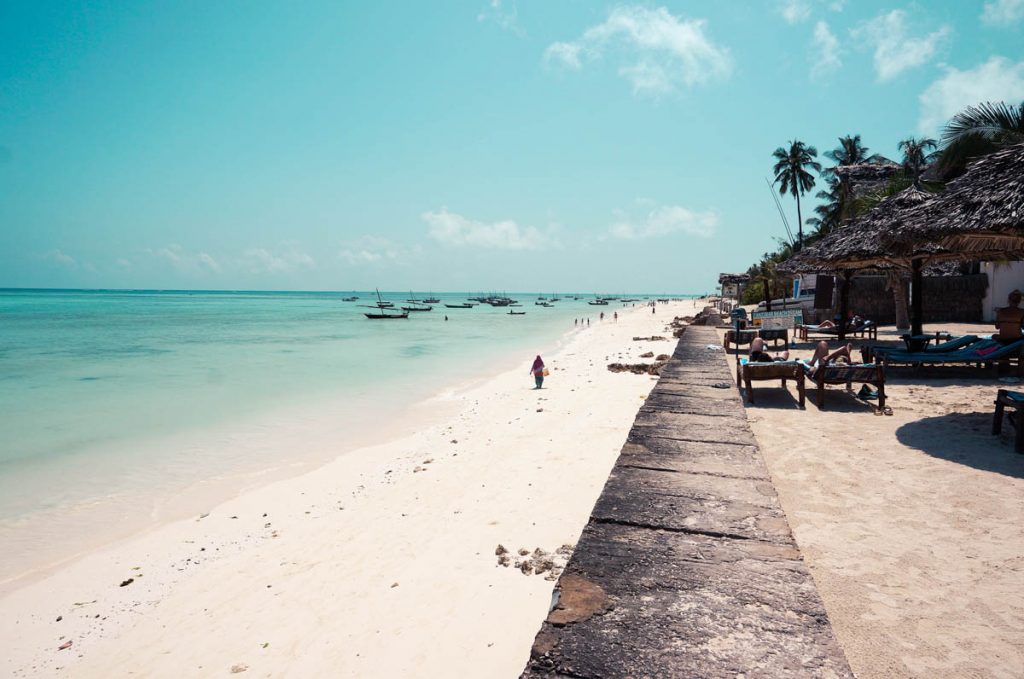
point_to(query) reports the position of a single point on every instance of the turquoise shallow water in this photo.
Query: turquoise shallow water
(104, 392)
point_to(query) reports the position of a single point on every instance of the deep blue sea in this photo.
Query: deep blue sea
(105, 394)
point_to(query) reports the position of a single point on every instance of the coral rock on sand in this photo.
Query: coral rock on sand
(648, 354)
(637, 368)
(500, 550)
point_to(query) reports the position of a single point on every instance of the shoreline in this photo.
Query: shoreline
(368, 482)
(58, 536)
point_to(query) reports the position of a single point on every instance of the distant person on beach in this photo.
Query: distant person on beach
(821, 356)
(602, 316)
(588, 322)
(538, 372)
(759, 355)
(575, 322)
(446, 317)
(1009, 319)
(616, 316)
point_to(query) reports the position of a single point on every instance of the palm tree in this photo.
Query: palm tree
(977, 131)
(792, 176)
(917, 153)
(852, 152)
(837, 201)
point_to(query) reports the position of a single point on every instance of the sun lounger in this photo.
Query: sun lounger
(866, 329)
(984, 352)
(777, 370)
(866, 373)
(870, 352)
(1010, 399)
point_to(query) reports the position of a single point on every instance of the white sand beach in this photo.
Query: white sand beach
(910, 524)
(381, 563)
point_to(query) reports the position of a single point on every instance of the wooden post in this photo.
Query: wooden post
(916, 283)
(844, 304)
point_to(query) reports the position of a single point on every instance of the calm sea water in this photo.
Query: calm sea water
(108, 392)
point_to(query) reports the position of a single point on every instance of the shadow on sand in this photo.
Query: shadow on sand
(965, 438)
(836, 400)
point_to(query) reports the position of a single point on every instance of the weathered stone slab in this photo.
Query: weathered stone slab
(682, 501)
(681, 605)
(695, 427)
(678, 403)
(687, 567)
(696, 457)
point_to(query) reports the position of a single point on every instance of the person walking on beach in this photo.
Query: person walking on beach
(602, 316)
(616, 316)
(538, 371)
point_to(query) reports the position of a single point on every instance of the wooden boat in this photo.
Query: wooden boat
(516, 313)
(431, 300)
(383, 314)
(417, 308)
(598, 302)
(349, 299)
(459, 306)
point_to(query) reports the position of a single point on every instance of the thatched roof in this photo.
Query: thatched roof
(865, 178)
(731, 278)
(867, 241)
(981, 211)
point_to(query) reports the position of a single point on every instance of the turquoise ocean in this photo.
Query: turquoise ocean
(108, 395)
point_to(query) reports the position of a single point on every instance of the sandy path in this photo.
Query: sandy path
(911, 524)
(380, 563)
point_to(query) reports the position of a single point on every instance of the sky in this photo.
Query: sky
(535, 145)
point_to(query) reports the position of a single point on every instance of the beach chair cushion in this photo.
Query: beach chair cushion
(982, 351)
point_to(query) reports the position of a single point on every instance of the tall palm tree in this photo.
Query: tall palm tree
(917, 153)
(792, 176)
(977, 131)
(852, 152)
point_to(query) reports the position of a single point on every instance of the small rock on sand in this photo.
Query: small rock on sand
(500, 549)
(240, 667)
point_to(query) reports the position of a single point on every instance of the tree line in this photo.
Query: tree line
(975, 131)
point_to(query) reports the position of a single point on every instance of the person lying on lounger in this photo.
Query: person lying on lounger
(853, 321)
(821, 356)
(759, 355)
(1009, 319)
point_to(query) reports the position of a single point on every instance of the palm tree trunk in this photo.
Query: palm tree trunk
(899, 297)
(799, 223)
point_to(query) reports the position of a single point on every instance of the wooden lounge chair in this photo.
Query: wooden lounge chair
(866, 329)
(1010, 399)
(984, 352)
(866, 373)
(776, 370)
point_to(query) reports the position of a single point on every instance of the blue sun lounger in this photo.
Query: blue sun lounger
(984, 352)
(944, 347)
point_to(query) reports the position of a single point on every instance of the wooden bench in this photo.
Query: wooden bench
(872, 374)
(1015, 400)
(777, 370)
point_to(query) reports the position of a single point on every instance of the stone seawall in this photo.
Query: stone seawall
(687, 567)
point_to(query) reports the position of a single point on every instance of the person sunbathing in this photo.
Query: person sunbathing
(759, 355)
(1009, 319)
(853, 321)
(821, 356)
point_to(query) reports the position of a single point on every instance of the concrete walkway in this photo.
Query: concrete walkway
(687, 567)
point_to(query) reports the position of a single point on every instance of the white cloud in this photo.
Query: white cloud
(60, 258)
(663, 50)
(895, 51)
(263, 261)
(450, 228)
(1002, 12)
(824, 51)
(795, 11)
(998, 79)
(185, 261)
(371, 249)
(663, 221)
(503, 13)
(566, 53)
